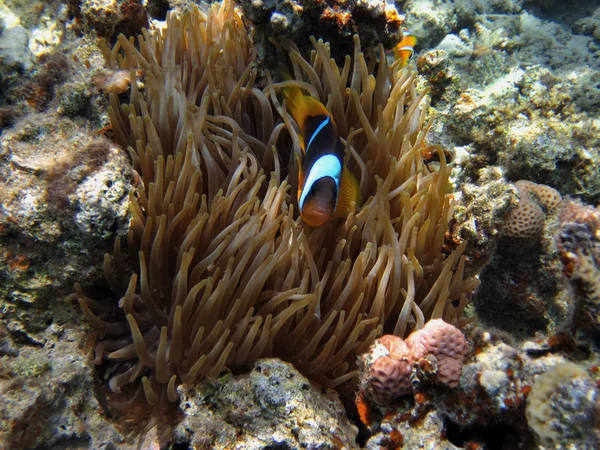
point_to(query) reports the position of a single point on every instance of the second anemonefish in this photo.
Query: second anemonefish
(404, 49)
(326, 188)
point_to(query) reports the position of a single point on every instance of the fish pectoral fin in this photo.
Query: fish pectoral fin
(349, 192)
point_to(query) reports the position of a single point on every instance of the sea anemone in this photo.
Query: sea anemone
(225, 270)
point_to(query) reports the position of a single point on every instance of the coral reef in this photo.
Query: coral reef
(50, 213)
(108, 18)
(523, 292)
(212, 269)
(526, 221)
(488, 407)
(226, 273)
(480, 214)
(48, 394)
(375, 21)
(427, 432)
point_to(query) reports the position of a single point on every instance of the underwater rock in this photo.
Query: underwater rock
(427, 432)
(109, 17)
(530, 92)
(589, 25)
(65, 195)
(523, 291)
(271, 406)
(437, 68)
(14, 50)
(486, 409)
(579, 247)
(539, 136)
(47, 395)
(480, 212)
(430, 20)
(489, 405)
(73, 99)
(563, 407)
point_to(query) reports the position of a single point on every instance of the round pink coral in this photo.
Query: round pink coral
(390, 374)
(446, 343)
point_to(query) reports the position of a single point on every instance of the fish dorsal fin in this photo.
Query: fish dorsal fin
(302, 106)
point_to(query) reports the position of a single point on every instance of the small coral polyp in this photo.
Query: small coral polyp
(226, 272)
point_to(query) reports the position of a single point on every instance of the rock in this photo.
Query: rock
(562, 408)
(271, 406)
(14, 50)
(56, 219)
(48, 395)
(480, 214)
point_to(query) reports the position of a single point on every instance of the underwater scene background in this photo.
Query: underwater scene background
(299, 224)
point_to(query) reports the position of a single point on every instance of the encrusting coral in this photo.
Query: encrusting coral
(226, 271)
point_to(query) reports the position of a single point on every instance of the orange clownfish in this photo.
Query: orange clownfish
(404, 49)
(326, 188)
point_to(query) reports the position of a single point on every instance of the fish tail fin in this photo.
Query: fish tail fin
(349, 192)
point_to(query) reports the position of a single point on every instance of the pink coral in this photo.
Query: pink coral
(446, 343)
(392, 364)
(390, 373)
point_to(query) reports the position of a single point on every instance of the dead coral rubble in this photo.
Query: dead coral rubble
(226, 272)
(562, 408)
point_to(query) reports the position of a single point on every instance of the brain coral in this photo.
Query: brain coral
(225, 271)
(527, 219)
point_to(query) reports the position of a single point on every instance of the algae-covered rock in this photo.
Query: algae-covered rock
(375, 21)
(563, 408)
(273, 406)
(579, 248)
(427, 432)
(47, 395)
(480, 213)
(65, 196)
(73, 98)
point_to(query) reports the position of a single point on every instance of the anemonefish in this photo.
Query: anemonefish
(404, 49)
(326, 188)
